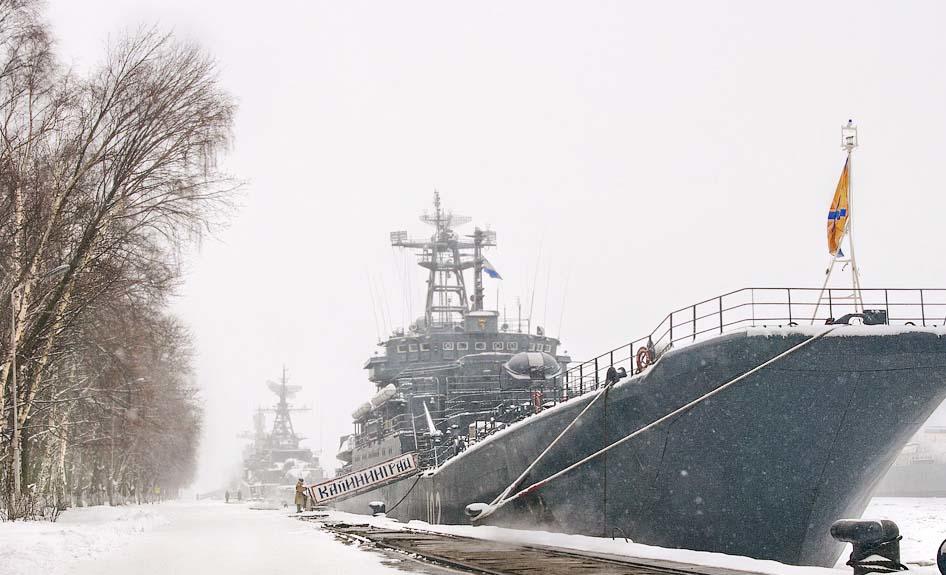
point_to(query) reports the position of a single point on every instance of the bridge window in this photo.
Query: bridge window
(425, 347)
(512, 345)
(480, 346)
(402, 348)
(531, 347)
(412, 347)
(462, 346)
(548, 348)
(448, 346)
(497, 346)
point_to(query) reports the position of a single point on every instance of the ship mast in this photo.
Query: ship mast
(848, 144)
(446, 256)
(283, 435)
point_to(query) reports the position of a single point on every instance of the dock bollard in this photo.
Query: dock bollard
(378, 508)
(876, 545)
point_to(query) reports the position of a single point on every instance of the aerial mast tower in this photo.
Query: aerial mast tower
(446, 256)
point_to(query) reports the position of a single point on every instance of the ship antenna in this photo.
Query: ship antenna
(445, 255)
(848, 144)
(561, 317)
(535, 280)
(374, 310)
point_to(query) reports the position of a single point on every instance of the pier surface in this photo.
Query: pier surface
(470, 555)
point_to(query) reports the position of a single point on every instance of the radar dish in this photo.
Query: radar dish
(278, 388)
(446, 219)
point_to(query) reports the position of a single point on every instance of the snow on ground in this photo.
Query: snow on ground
(213, 538)
(208, 538)
(922, 523)
(84, 533)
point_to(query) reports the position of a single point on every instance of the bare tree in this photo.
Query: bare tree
(107, 177)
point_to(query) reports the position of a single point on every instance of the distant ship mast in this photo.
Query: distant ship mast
(283, 435)
(446, 256)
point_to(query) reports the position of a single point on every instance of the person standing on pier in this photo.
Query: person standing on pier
(300, 495)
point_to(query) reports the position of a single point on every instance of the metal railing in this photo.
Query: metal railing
(758, 307)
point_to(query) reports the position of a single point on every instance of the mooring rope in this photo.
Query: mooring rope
(413, 485)
(496, 505)
(535, 462)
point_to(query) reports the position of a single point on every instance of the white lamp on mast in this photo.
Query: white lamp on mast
(849, 136)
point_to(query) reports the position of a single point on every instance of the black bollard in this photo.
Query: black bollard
(876, 545)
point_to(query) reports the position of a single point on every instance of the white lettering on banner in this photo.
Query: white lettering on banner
(365, 479)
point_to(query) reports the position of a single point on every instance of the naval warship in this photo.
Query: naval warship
(744, 424)
(920, 469)
(275, 459)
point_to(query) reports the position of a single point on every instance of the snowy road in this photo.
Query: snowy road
(180, 538)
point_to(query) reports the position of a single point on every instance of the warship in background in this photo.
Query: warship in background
(920, 469)
(275, 459)
(729, 428)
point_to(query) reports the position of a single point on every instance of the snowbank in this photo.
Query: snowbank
(43, 547)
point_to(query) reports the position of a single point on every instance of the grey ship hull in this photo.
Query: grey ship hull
(761, 469)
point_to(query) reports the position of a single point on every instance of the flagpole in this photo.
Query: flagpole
(848, 143)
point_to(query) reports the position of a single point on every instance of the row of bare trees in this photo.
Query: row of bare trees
(104, 176)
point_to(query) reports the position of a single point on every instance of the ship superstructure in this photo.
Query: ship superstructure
(441, 384)
(276, 457)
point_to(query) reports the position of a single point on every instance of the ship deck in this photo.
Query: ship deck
(468, 555)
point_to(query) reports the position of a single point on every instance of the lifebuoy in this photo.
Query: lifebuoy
(645, 357)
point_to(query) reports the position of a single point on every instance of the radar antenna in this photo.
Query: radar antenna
(446, 256)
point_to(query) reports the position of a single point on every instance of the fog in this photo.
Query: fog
(632, 157)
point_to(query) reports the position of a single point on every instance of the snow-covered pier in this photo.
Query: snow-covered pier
(470, 555)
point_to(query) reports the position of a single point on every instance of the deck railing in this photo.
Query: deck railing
(759, 307)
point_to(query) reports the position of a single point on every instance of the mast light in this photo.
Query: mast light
(849, 136)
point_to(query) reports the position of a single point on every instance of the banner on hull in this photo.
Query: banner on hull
(364, 480)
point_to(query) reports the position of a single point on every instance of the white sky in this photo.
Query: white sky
(654, 154)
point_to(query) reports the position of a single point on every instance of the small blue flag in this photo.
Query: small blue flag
(490, 270)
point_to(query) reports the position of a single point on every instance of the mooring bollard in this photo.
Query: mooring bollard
(876, 545)
(378, 508)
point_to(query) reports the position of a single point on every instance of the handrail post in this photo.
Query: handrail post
(720, 298)
(887, 305)
(581, 379)
(596, 373)
(830, 304)
(612, 358)
(671, 328)
(694, 322)
(922, 308)
(789, 290)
